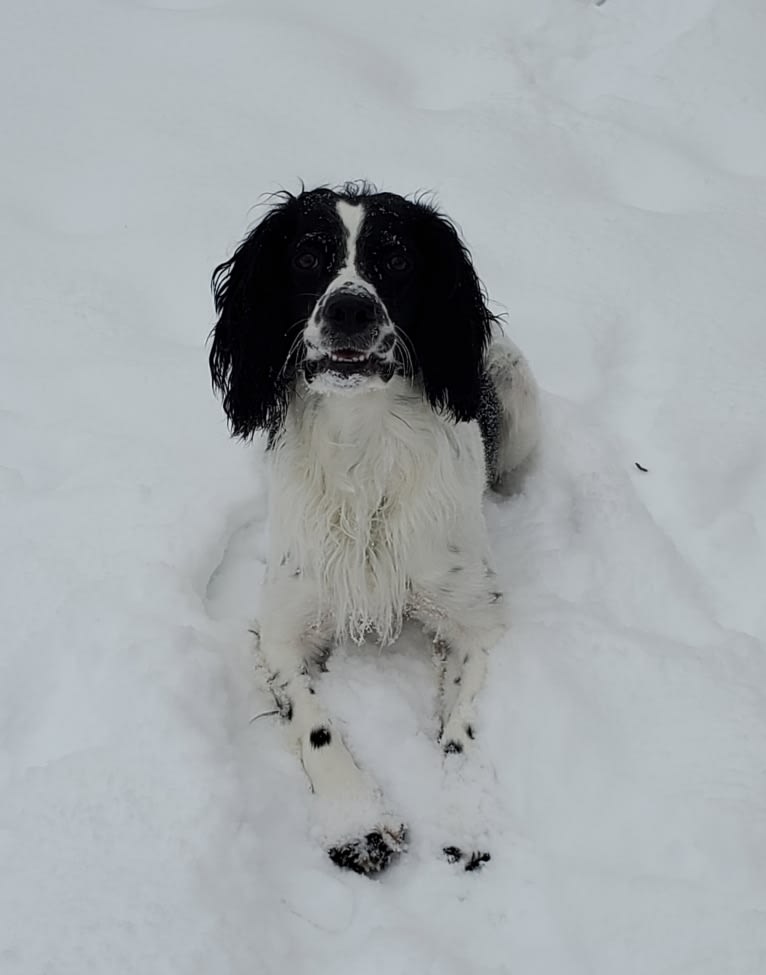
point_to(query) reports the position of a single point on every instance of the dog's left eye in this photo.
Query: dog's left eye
(306, 261)
(398, 263)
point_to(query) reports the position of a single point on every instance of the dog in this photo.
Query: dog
(353, 331)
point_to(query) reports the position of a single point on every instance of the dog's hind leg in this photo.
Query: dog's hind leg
(518, 426)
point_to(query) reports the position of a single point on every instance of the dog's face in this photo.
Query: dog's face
(347, 289)
(350, 261)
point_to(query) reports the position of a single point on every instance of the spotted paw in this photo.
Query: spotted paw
(372, 852)
(473, 860)
(456, 737)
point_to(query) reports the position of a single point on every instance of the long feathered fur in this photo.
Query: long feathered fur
(390, 399)
(255, 355)
(365, 498)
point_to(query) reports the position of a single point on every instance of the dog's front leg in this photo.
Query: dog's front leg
(462, 669)
(465, 618)
(359, 832)
(463, 611)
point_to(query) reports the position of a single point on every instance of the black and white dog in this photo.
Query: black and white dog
(353, 330)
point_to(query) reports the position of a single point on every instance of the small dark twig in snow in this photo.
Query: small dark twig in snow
(641, 467)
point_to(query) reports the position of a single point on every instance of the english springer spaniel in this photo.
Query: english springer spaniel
(352, 329)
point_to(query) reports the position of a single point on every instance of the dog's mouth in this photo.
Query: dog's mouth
(349, 364)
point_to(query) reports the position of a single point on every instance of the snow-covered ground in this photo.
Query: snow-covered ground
(607, 165)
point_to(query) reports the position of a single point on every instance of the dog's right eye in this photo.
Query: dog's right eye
(306, 261)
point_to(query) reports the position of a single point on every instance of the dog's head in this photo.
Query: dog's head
(348, 288)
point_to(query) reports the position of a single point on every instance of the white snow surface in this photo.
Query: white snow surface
(607, 165)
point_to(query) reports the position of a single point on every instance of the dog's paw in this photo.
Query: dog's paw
(471, 860)
(372, 852)
(456, 736)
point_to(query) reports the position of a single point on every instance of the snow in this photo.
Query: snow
(607, 164)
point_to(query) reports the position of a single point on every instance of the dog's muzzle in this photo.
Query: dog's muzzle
(354, 338)
(350, 319)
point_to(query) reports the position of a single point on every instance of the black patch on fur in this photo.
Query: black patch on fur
(477, 860)
(452, 747)
(371, 854)
(263, 301)
(407, 250)
(473, 861)
(321, 655)
(436, 301)
(387, 343)
(490, 420)
(470, 732)
(320, 737)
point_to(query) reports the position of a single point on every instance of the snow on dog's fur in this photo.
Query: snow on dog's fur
(353, 329)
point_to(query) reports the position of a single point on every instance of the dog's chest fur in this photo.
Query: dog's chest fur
(370, 494)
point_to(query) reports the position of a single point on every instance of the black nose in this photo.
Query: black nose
(350, 313)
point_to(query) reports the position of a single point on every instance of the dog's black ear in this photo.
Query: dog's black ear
(454, 322)
(252, 339)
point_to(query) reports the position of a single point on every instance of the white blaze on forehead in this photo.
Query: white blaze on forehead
(350, 281)
(351, 215)
(348, 278)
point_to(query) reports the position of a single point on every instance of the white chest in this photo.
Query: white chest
(366, 495)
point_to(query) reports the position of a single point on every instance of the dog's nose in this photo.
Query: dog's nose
(350, 313)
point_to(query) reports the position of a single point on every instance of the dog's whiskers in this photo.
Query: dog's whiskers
(294, 346)
(404, 343)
